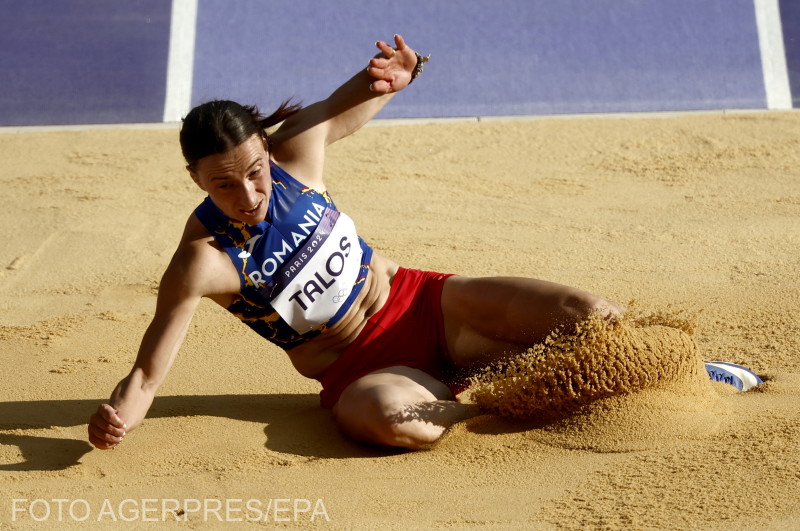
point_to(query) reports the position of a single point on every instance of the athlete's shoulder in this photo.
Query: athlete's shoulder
(303, 164)
(199, 265)
(194, 232)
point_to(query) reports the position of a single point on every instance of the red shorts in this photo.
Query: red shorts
(408, 330)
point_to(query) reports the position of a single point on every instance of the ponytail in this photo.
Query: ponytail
(286, 109)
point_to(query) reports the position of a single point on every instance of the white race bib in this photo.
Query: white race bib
(312, 286)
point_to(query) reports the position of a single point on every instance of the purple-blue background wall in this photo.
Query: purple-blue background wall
(790, 17)
(82, 61)
(94, 61)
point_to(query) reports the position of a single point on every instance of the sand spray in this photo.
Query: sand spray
(599, 359)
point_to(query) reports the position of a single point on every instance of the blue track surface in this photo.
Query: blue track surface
(790, 15)
(82, 61)
(93, 61)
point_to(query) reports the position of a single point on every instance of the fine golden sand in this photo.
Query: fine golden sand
(600, 359)
(615, 427)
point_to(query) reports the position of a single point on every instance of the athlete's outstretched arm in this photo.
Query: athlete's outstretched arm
(133, 396)
(300, 142)
(358, 100)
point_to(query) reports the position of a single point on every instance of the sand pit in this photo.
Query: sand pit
(697, 212)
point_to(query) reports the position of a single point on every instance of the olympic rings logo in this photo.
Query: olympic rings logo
(339, 297)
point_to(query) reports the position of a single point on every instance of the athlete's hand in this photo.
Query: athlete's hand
(392, 69)
(106, 428)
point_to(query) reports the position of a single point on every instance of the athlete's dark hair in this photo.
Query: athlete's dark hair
(219, 125)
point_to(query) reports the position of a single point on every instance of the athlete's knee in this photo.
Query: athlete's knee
(581, 305)
(400, 424)
(379, 418)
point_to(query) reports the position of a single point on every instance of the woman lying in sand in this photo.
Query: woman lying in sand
(269, 245)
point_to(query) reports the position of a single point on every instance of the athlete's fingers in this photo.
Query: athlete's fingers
(379, 62)
(102, 424)
(377, 67)
(101, 444)
(97, 425)
(101, 435)
(110, 415)
(399, 42)
(375, 72)
(385, 49)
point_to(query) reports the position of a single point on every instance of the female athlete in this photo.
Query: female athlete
(388, 344)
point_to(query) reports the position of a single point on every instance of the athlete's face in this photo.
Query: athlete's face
(238, 181)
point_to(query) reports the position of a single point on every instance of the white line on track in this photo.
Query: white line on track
(773, 54)
(180, 61)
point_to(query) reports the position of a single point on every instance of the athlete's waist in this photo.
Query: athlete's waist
(313, 357)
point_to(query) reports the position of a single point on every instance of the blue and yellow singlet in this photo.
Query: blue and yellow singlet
(300, 270)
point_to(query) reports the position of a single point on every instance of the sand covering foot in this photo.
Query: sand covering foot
(600, 359)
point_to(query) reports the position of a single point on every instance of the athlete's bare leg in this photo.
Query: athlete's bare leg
(486, 319)
(399, 406)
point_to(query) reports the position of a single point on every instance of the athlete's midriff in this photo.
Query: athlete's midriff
(313, 357)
